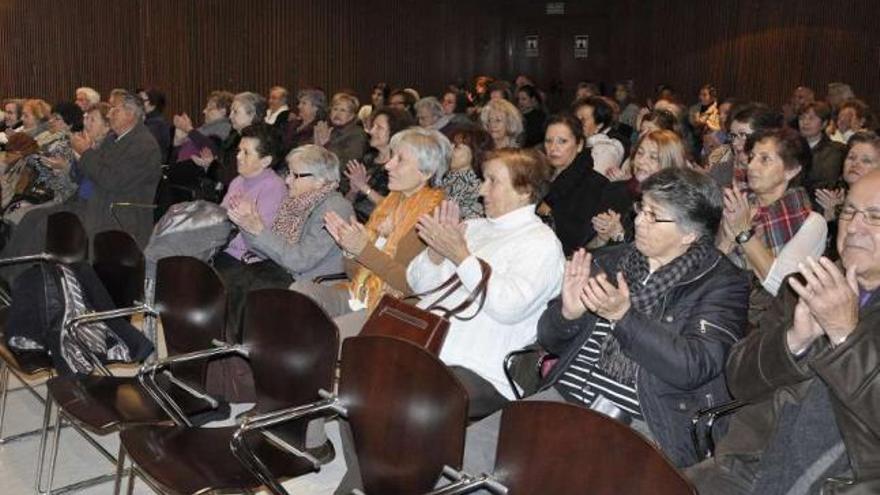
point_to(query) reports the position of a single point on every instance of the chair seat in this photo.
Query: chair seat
(210, 463)
(28, 362)
(102, 402)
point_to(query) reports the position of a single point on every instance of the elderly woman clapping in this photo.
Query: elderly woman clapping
(657, 316)
(526, 261)
(296, 244)
(771, 228)
(343, 136)
(379, 252)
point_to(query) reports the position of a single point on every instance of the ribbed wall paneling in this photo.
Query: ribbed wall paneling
(750, 48)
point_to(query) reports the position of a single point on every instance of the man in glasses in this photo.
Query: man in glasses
(809, 378)
(746, 120)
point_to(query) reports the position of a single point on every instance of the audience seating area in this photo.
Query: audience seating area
(460, 292)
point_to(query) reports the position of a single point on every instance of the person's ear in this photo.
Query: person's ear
(266, 161)
(689, 239)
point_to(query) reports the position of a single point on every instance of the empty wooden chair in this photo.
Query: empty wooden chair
(119, 263)
(105, 404)
(563, 449)
(407, 414)
(292, 346)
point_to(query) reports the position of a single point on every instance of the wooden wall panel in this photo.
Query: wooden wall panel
(754, 49)
(751, 48)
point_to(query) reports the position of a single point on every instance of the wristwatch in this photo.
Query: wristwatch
(744, 236)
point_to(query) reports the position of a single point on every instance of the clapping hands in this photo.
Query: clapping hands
(443, 232)
(829, 303)
(351, 236)
(243, 212)
(322, 133)
(581, 292)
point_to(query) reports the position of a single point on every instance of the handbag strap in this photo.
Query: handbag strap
(479, 291)
(453, 281)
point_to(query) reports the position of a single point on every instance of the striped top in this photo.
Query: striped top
(583, 380)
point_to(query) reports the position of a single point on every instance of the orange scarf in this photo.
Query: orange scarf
(403, 214)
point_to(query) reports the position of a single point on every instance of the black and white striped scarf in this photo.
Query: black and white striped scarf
(96, 337)
(647, 291)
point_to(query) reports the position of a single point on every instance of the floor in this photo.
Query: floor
(78, 460)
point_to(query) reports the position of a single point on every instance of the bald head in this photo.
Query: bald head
(858, 233)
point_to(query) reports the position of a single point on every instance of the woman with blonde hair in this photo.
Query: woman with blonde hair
(503, 122)
(655, 151)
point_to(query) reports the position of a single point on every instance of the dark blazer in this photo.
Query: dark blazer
(126, 170)
(827, 164)
(576, 196)
(161, 130)
(681, 351)
(348, 143)
(762, 371)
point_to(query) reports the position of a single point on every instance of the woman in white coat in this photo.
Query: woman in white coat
(526, 260)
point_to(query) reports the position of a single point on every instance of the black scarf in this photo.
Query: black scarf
(646, 291)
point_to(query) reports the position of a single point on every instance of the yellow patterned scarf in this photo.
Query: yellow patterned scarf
(401, 213)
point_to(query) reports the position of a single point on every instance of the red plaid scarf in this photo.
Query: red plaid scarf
(777, 223)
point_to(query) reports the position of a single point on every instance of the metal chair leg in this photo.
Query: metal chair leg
(41, 451)
(4, 383)
(131, 472)
(120, 468)
(56, 443)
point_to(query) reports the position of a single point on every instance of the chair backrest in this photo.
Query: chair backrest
(407, 412)
(553, 447)
(292, 346)
(65, 236)
(119, 263)
(191, 301)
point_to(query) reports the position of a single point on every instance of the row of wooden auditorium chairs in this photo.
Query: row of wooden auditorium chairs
(406, 412)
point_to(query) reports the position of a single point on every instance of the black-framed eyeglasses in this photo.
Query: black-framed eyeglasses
(650, 216)
(300, 176)
(872, 217)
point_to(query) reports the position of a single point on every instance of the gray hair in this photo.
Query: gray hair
(91, 95)
(432, 104)
(253, 104)
(841, 90)
(132, 103)
(318, 160)
(693, 199)
(432, 149)
(317, 98)
(513, 121)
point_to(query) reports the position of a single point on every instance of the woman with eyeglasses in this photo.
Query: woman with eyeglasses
(771, 228)
(728, 167)
(643, 330)
(655, 151)
(296, 244)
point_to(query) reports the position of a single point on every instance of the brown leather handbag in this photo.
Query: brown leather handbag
(394, 317)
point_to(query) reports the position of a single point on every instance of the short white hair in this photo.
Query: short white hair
(91, 95)
(432, 149)
(321, 162)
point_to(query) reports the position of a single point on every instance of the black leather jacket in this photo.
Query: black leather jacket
(762, 371)
(681, 352)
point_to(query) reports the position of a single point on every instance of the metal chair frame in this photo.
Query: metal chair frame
(6, 370)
